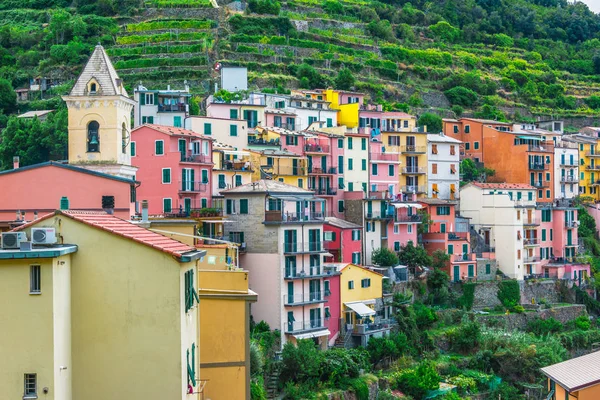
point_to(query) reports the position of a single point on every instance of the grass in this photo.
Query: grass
(170, 24)
(179, 3)
(162, 37)
(159, 62)
(160, 49)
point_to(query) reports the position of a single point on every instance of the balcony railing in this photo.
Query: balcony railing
(303, 247)
(384, 157)
(572, 244)
(196, 158)
(463, 257)
(297, 299)
(330, 191)
(532, 221)
(539, 166)
(592, 154)
(593, 167)
(571, 224)
(284, 125)
(310, 273)
(275, 216)
(540, 184)
(316, 148)
(540, 148)
(414, 189)
(237, 165)
(568, 165)
(192, 186)
(180, 107)
(413, 149)
(362, 329)
(594, 182)
(301, 326)
(531, 259)
(263, 142)
(531, 242)
(416, 218)
(378, 215)
(569, 179)
(413, 170)
(323, 171)
(284, 170)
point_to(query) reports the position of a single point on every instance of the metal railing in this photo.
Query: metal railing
(285, 125)
(300, 298)
(570, 178)
(263, 142)
(531, 259)
(384, 157)
(539, 166)
(192, 186)
(287, 217)
(592, 154)
(413, 149)
(531, 241)
(299, 326)
(196, 158)
(316, 148)
(530, 221)
(378, 215)
(593, 167)
(541, 148)
(330, 191)
(284, 170)
(540, 184)
(408, 218)
(568, 164)
(462, 257)
(180, 107)
(414, 189)
(571, 224)
(413, 170)
(303, 247)
(326, 170)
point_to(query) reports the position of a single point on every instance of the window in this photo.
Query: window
(159, 147)
(132, 149)
(166, 175)
(232, 130)
(543, 235)
(351, 186)
(327, 313)
(329, 236)
(35, 279)
(396, 246)
(207, 128)
(476, 145)
(350, 164)
(243, 206)
(450, 249)
(374, 169)
(452, 150)
(443, 210)
(365, 283)
(356, 259)
(350, 143)
(93, 88)
(467, 129)
(233, 113)
(204, 176)
(93, 137)
(329, 122)
(190, 291)
(351, 283)
(148, 120)
(547, 194)
(177, 122)
(311, 119)
(452, 169)
(434, 168)
(340, 143)
(390, 170)
(355, 234)
(363, 143)
(409, 228)
(396, 229)
(455, 128)
(300, 183)
(364, 164)
(467, 146)
(149, 98)
(551, 235)
(434, 149)
(488, 269)
(277, 121)
(530, 196)
(238, 180)
(518, 254)
(167, 205)
(30, 391)
(341, 206)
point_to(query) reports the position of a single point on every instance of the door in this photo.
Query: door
(314, 287)
(310, 164)
(324, 164)
(465, 251)
(294, 166)
(443, 228)
(182, 149)
(456, 274)
(471, 270)
(569, 237)
(486, 237)
(289, 241)
(369, 209)
(290, 321)
(290, 293)
(187, 204)
(315, 318)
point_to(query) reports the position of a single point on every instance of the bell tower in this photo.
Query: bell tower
(100, 119)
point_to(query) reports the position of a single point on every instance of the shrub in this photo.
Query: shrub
(458, 110)
(420, 381)
(468, 296)
(500, 39)
(384, 257)
(381, 29)
(257, 389)
(445, 31)
(543, 327)
(465, 337)
(593, 102)
(256, 359)
(509, 293)
(461, 96)
(333, 7)
(432, 121)
(298, 392)
(301, 363)
(424, 316)
(518, 309)
(264, 6)
(344, 80)
(582, 323)
(338, 365)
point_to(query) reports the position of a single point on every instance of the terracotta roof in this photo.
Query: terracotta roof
(342, 266)
(342, 223)
(503, 186)
(432, 201)
(172, 131)
(487, 121)
(69, 167)
(101, 69)
(267, 186)
(121, 227)
(576, 373)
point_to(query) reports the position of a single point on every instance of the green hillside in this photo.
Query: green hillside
(491, 58)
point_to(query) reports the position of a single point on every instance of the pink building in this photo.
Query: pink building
(332, 303)
(280, 118)
(343, 240)
(175, 168)
(384, 169)
(43, 188)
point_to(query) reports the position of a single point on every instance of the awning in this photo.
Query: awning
(296, 198)
(406, 205)
(323, 332)
(236, 152)
(361, 309)
(530, 137)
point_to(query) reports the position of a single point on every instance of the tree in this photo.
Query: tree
(344, 80)
(445, 31)
(34, 141)
(420, 381)
(426, 222)
(474, 172)
(593, 102)
(301, 363)
(8, 97)
(587, 223)
(461, 96)
(432, 121)
(381, 29)
(384, 257)
(413, 256)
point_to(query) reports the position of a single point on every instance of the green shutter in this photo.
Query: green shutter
(64, 203)
(450, 249)
(233, 113)
(543, 235)
(363, 143)
(177, 122)
(166, 175)
(143, 99)
(204, 176)
(232, 130)
(155, 99)
(243, 206)
(238, 180)
(207, 128)
(167, 205)
(159, 148)
(132, 149)
(364, 164)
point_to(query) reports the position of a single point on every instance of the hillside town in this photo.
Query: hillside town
(171, 254)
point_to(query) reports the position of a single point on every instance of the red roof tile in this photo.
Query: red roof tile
(170, 130)
(121, 227)
(523, 186)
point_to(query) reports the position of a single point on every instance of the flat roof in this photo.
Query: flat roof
(38, 252)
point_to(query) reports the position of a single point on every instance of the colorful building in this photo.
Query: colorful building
(411, 147)
(574, 379)
(589, 164)
(443, 167)
(343, 240)
(168, 107)
(356, 162)
(566, 168)
(231, 168)
(231, 132)
(281, 165)
(176, 168)
(95, 311)
(282, 226)
(470, 132)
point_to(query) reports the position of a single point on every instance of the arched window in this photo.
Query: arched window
(93, 88)
(93, 137)
(124, 137)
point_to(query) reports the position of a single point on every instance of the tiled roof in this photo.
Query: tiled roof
(576, 373)
(100, 68)
(503, 186)
(437, 138)
(342, 223)
(171, 131)
(69, 167)
(267, 186)
(121, 227)
(38, 113)
(434, 202)
(487, 121)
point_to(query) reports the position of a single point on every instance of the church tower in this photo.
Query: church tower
(100, 119)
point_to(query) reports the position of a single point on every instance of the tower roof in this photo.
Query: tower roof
(100, 68)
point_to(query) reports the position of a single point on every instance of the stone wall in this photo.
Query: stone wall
(520, 321)
(481, 270)
(354, 210)
(538, 291)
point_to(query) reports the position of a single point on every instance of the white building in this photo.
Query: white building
(499, 212)
(566, 169)
(356, 163)
(443, 167)
(161, 107)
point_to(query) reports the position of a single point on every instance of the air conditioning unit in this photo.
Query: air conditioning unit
(43, 235)
(12, 240)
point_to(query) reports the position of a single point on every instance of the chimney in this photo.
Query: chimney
(144, 210)
(16, 160)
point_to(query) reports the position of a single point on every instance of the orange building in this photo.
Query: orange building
(520, 158)
(574, 379)
(470, 132)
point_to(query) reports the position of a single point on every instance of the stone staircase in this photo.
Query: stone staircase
(272, 380)
(343, 341)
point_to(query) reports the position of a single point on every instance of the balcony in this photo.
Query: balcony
(283, 125)
(593, 167)
(236, 165)
(363, 329)
(323, 171)
(531, 259)
(263, 142)
(572, 244)
(540, 184)
(531, 221)
(594, 182)
(592, 154)
(378, 215)
(568, 165)
(569, 179)
(330, 191)
(408, 219)
(571, 224)
(539, 166)
(311, 273)
(284, 170)
(303, 247)
(540, 148)
(463, 257)
(303, 299)
(196, 158)
(180, 107)
(300, 326)
(280, 217)
(414, 189)
(411, 149)
(530, 242)
(316, 148)
(385, 157)
(414, 170)
(192, 186)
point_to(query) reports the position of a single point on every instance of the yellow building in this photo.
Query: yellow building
(347, 111)
(411, 148)
(574, 379)
(282, 165)
(98, 304)
(232, 168)
(589, 164)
